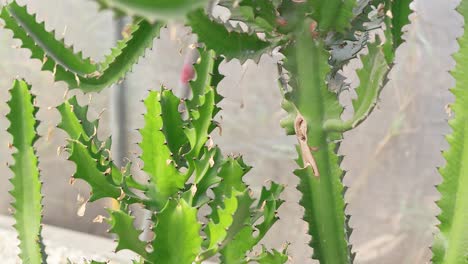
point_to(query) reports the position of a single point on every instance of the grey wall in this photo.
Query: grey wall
(391, 159)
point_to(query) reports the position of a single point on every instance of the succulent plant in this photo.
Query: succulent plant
(316, 38)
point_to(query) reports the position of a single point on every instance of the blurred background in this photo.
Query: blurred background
(391, 159)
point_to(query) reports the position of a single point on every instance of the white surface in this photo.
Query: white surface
(61, 244)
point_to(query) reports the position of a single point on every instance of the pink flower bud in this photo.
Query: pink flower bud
(188, 73)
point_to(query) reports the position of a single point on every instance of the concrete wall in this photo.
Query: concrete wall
(391, 159)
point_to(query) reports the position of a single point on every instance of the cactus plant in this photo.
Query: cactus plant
(317, 38)
(26, 182)
(451, 241)
(237, 221)
(71, 67)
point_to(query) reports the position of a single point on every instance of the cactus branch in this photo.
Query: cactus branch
(373, 77)
(177, 234)
(69, 67)
(401, 11)
(332, 15)
(26, 182)
(306, 61)
(165, 179)
(153, 10)
(215, 36)
(451, 242)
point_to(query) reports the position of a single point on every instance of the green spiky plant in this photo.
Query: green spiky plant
(315, 113)
(174, 151)
(317, 39)
(451, 242)
(26, 182)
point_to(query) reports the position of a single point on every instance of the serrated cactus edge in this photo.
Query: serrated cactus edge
(26, 180)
